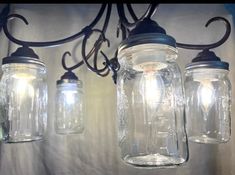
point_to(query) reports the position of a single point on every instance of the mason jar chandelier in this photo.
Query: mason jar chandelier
(157, 111)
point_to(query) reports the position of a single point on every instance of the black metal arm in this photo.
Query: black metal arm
(213, 45)
(85, 30)
(124, 26)
(3, 15)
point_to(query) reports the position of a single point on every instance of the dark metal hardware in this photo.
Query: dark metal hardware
(127, 28)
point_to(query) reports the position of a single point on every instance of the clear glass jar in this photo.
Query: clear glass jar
(151, 126)
(69, 108)
(208, 105)
(23, 102)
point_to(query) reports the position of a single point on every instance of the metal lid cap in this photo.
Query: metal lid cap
(69, 77)
(64, 81)
(208, 64)
(147, 26)
(148, 38)
(23, 60)
(23, 55)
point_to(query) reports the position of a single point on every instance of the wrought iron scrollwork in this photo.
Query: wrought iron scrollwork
(124, 26)
(3, 15)
(213, 45)
(50, 43)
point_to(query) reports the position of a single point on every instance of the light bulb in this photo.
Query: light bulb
(69, 96)
(206, 95)
(150, 85)
(23, 84)
(69, 92)
(69, 107)
(151, 88)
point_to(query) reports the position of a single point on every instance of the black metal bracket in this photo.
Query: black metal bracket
(124, 26)
(3, 15)
(213, 45)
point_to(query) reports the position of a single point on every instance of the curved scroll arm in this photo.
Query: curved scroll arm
(148, 14)
(152, 10)
(123, 29)
(100, 71)
(103, 71)
(63, 61)
(3, 15)
(131, 11)
(213, 45)
(112, 64)
(84, 56)
(94, 50)
(51, 43)
(121, 13)
(95, 59)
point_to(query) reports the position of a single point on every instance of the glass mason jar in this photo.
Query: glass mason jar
(208, 105)
(69, 107)
(23, 102)
(151, 126)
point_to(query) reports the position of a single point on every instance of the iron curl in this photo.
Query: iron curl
(213, 45)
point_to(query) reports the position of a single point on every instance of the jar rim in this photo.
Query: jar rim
(21, 65)
(206, 72)
(22, 60)
(64, 82)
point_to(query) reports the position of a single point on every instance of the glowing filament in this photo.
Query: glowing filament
(69, 96)
(151, 89)
(23, 85)
(206, 95)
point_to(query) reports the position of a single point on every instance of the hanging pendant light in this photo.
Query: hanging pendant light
(69, 105)
(23, 97)
(150, 99)
(151, 126)
(208, 99)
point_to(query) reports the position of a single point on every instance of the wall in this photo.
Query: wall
(96, 150)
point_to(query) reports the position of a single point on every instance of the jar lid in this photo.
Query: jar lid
(24, 60)
(65, 81)
(69, 77)
(207, 59)
(208, 64)
(148, 38)
(23, 55)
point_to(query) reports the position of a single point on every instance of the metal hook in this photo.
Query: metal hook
(94, 49)
(3, 15)
(113, 65)
(7, 33)
(152, 10)
(213, 45)
(121, 13)
(100, 71)
(63, 61)
(52, 43)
